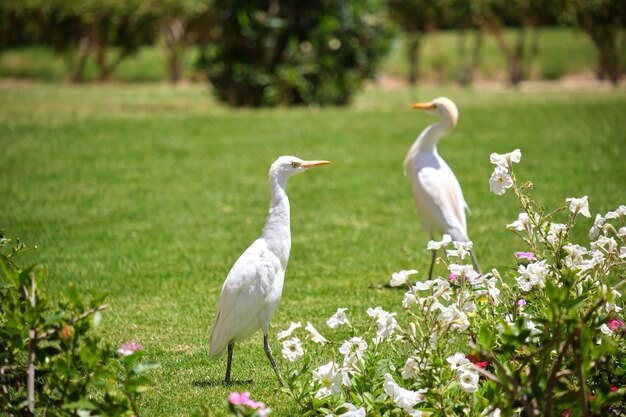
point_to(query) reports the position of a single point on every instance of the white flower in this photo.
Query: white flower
(352, 411)
(461, 250)
(338, 318)
(464, 272)
(574, 255)
(622, 252)
(330, 379)
(505, 159)
(531, 275)
(530, 325)
(457, 360)
(436, 245)
(353, 350)
(597, 226)
(286, 333)
(579, 205)
(522, 223)
(454, 317)
(468, 378)
(401, 278)
(292, 349)
(606, 330)
(500, 180)
(412, 368)
(385, 321)
(621, 232)
(619, 212)
(491, 411)
(315, 336)
(409, 299)
(607, 244)
(493, 290)
(556, 232)
(402, 397)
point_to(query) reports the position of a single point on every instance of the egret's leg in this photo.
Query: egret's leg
(475, 262)
(432, 264)
(229, 362)
(268, 352)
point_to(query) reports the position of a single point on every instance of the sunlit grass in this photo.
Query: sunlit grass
(150, 193)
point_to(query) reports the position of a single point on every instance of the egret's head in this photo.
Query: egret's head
(287, 166)
(442, 107)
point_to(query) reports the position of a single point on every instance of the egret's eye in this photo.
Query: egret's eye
(295, 164)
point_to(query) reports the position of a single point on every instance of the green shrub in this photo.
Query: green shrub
(51, 360)
(269, 53)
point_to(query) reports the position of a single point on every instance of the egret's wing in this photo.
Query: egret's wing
(440, 198)
(243, 294)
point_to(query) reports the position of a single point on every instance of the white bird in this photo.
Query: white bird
(437, 193)
(252, 290)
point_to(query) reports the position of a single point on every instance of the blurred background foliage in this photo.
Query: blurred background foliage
(290, 52)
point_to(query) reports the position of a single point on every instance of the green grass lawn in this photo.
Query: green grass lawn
(150, 193)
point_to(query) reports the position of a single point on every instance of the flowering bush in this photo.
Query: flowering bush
(543, 338)
(51, 362)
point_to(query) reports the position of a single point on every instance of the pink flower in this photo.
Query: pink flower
(453, 277)
(129, 348)
(521, 302)
(614, 324)
(244, 399)
(614, 389)
(525, 255)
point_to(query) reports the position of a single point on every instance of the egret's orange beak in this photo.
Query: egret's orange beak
(423, 106)
(309, 164)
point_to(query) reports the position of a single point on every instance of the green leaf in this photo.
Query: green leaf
(11, 272)
(485, 336)
(143, 367)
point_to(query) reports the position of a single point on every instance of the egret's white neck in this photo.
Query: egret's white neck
(277, 230)
(427, 140)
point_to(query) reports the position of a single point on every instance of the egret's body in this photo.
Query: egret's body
(252, 290)
(437, 193)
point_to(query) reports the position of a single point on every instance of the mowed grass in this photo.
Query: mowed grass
(150, 193)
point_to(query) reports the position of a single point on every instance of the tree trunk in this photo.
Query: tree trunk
(533, 49)
(173, 33)
(465, 75)
(84, 48)
(101, 60)
(478, 44)
(516, 58)
(413, 46)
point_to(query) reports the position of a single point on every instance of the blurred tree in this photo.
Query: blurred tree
(266, 52)
(97, 28)
(416, 18)
(20, 22)
(458, 15)
(181, 23)
(602, 20)
(526, 16)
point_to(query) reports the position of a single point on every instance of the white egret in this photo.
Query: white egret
(437, 193)
(252, 290)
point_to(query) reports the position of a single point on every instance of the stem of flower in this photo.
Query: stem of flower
(582, 392)
(73, 320)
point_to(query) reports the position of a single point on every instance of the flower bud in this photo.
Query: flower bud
(412, 330)
(66, 332)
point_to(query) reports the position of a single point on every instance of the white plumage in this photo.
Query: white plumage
(252, 290)
(437, 193)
